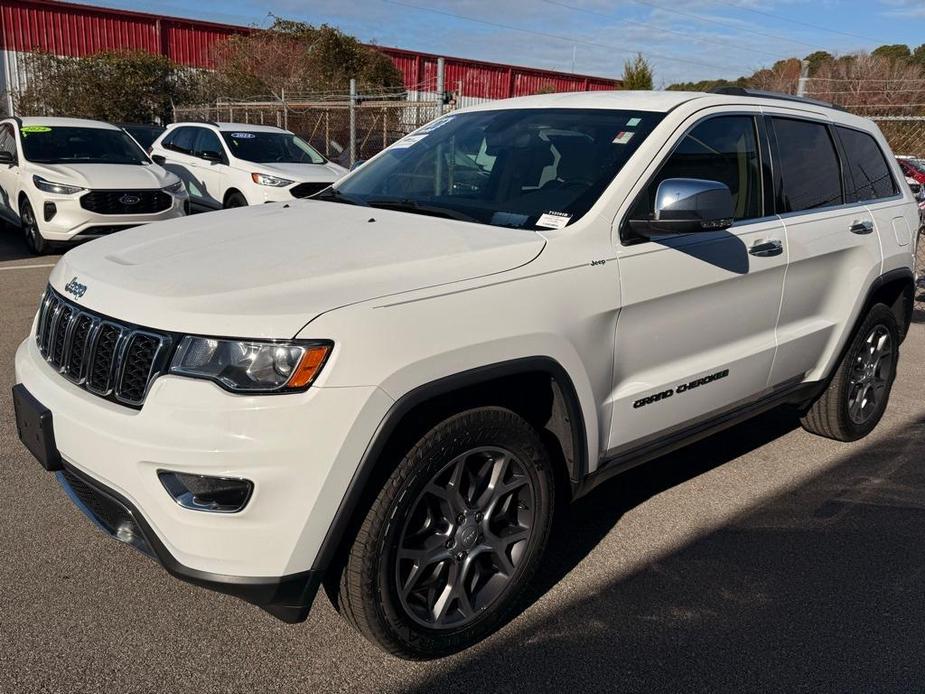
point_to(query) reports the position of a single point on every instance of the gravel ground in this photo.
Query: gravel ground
(762, 559)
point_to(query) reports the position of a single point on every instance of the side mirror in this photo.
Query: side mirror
(686, 206)
(158, 159)
(209, 155)
(7, 157)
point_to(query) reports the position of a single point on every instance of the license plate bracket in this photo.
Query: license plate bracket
(35, 428)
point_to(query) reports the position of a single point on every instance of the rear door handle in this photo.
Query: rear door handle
(764, 249)
(861, 226)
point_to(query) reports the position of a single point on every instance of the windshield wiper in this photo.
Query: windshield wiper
(333, 195)
(413, 206)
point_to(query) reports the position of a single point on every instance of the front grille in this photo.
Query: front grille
(102, 230)
(303, 190)
(126, 201)
(115, 360)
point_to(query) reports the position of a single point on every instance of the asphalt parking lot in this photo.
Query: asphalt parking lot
(762, 559)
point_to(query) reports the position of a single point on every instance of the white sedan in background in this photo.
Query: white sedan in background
(236, 164)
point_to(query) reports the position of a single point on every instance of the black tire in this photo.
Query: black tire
(857, 396)
(368, 590)
(234, 199)
(35, 242)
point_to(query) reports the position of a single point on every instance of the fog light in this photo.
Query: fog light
(207, 493)
(50, 211)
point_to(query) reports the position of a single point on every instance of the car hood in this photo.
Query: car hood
(265, 271)
(107, 176)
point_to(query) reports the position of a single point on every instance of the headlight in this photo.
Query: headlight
(246, 366)
(268, 180)
(174, 188)
(56, 188)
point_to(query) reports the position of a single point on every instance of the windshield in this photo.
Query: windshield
(74, 145)
(271, 148)
(522, 168)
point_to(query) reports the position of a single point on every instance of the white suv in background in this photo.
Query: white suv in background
(236, 164)
(66, 179)
(498, 313)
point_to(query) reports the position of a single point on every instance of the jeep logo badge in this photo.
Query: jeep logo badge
(129, 199)
(76, 288)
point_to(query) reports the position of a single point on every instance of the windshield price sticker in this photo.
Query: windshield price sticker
(553, 220)
(439, 123)
(243, 136)
(35, 129)
(632, 122)
(408, 141)
(623, 137)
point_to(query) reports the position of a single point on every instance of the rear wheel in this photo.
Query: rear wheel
(456, 533)
(35, 242)
(235, 199)
(857, 396)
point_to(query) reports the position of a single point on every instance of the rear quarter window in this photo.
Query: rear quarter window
(869, 174)
(810, 172)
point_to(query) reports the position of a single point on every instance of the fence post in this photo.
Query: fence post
(353, 121)
(804, 78)
(285, 110)
(441, 66)
(327, 133)
(385, 128)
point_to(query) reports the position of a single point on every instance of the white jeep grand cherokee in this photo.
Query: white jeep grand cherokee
(383, 390)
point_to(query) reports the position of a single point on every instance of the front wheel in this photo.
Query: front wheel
(855, 399)
(35, 242)
(235, 199)
(453, 537)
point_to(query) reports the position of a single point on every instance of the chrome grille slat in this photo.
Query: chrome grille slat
(114, 360)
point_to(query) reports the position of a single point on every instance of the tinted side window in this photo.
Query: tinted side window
(808, 165)
(208, 142)
(7, 139)
(182, 140)
(723, 149)
(870, 177)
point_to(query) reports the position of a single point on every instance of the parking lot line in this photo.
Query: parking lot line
(26, 267)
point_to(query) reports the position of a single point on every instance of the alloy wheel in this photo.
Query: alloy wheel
(871, 374)
(465, 537)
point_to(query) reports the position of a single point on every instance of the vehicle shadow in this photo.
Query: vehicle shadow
(12, 244)
(819, 588)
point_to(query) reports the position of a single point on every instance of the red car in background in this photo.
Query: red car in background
(912, 168)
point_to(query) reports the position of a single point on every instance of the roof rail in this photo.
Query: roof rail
(758, 93)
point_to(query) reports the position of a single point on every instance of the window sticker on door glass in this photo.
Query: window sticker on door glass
(509, 219)
(26, 129)
(243, 136)
(633, 122)
(408, 141)
(623, 137)
(553, 220)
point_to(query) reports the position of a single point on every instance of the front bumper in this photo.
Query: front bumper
(72, 222)
(300, 450)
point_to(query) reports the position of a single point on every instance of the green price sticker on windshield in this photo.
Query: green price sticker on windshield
(35, 129)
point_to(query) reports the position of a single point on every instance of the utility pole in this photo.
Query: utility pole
(804, 78)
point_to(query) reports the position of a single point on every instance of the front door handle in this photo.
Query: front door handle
(764, 249)
(861, 226)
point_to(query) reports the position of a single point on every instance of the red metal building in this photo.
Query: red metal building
(74, 29)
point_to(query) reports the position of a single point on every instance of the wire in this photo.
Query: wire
(712, 42)
(626, 50)
(723, 24)
(797, 21)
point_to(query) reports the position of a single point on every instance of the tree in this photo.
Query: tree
(637, 73)
(918, 55)
(893, 51)
(816, 59)
(132, 86)
(296, 57)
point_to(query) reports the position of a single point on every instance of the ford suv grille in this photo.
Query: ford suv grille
(126, 201)
(110, 358)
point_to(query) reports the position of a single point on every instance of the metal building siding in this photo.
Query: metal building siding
(68, 30)
(189, 44)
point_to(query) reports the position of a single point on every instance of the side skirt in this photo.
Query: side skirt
(618, 460)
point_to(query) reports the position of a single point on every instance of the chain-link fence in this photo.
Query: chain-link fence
(327, 123)
(906, 134)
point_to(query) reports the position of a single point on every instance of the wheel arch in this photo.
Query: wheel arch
(895, 289)
(534, 387)
(231, 191)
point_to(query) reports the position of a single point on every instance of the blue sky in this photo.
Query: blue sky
(684, 39)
